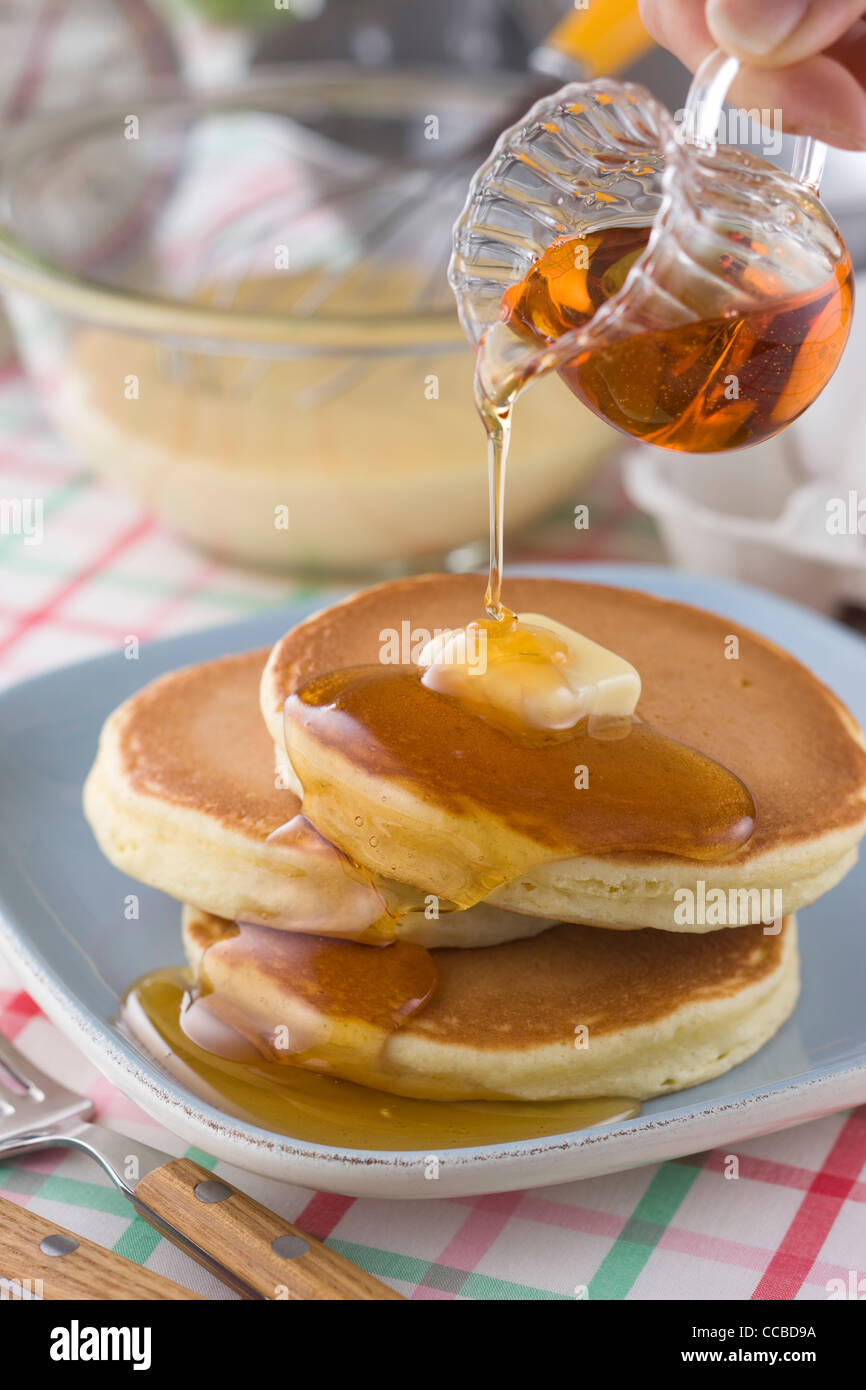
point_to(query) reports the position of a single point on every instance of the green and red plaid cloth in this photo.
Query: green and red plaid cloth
(795, 1218)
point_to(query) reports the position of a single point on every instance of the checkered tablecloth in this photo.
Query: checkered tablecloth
(793, 1220)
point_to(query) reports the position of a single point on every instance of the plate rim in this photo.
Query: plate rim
(468, 1169)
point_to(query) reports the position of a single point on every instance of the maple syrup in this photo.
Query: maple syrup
(716, 383)
(497, 422)
(338, 1000)
(643, 792)
(319, 1109)
(357, 906)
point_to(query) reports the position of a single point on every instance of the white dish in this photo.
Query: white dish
(63, 929)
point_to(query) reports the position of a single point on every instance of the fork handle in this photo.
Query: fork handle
(270, 1255)
(86, 1271)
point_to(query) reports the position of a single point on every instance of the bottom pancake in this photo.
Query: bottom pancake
(577, 1012)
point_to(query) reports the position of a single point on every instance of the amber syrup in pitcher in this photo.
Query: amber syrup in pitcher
(716, 383)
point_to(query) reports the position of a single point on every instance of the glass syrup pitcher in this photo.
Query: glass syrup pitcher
(688, 292)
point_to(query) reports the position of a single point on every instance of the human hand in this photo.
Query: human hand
(806, 58)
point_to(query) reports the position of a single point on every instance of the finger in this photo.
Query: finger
(681, 26)
(822, 96)
(778, 33)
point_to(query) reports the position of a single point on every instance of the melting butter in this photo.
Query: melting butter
(536, 672)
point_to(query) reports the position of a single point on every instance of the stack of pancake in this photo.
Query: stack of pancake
(583, 977)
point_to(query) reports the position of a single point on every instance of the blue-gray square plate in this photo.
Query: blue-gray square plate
(77, 958)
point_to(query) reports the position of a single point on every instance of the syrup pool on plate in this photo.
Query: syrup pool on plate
(317, 1109)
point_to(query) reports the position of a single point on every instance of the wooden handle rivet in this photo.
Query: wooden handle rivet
(58, 1245)
(290, 1247)
(212, 1191)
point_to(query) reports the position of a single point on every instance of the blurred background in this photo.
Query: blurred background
(232, 362)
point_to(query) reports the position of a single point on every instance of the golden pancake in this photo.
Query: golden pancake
(761, 714)
(183, 796)
(576, 1012)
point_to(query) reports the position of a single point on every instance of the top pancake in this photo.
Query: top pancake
(183, 795)
(192, 738)
(763, 714)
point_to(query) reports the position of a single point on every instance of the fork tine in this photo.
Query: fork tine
(9, 1071)
(44, 1103)
(24, 1071)
(6, 1092)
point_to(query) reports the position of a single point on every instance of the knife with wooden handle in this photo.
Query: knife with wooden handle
(267, 1253)
(236, 1238)
(239, 1240)
(41, 1259)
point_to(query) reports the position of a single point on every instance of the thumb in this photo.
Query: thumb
(775, 33)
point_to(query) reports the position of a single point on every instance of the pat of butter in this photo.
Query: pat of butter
(533, 670)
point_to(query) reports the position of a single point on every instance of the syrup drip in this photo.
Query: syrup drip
(355, 907)
(557, 295)
(313, 1108)
(497, 422)
(333, 997)
(337, 897)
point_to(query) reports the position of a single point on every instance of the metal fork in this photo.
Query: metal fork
(237, 1239)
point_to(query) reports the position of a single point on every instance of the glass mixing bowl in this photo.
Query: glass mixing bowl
(235, 303)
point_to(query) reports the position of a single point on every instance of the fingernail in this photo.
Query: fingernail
(754, 27)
